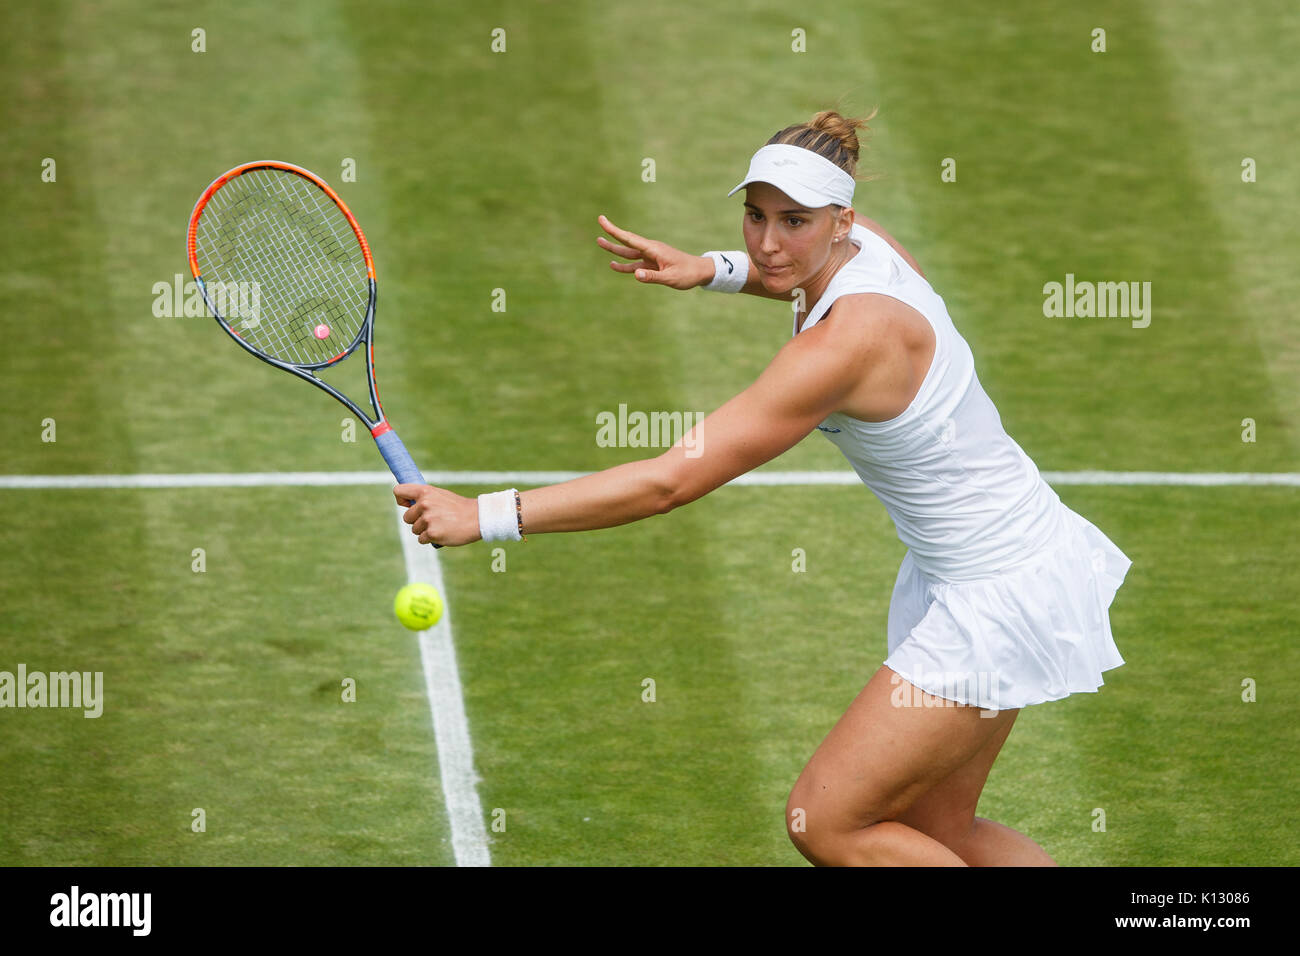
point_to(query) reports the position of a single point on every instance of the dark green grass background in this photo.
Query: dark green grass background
(479, 171)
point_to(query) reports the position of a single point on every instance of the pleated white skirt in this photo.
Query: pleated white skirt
(1036, 632)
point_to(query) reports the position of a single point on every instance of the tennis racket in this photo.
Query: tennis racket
(284, 268)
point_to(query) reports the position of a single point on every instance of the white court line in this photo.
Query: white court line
(469, 839)
(254, 479)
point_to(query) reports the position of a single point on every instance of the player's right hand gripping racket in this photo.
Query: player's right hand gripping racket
(286, 270)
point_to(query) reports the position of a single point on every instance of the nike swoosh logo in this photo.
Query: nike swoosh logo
(730, 267)
(822, 428)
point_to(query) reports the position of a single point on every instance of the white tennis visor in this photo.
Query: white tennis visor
(809, 179)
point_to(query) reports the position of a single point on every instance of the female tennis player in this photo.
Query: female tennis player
(1002, 598)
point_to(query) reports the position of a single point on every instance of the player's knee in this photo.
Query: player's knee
(796, 824)
(811, 825)
(810, 843)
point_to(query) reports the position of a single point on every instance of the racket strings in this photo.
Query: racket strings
(274, 244)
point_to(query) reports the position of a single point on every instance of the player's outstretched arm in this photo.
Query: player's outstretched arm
(807, 380)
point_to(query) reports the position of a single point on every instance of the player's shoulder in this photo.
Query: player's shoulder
(870, 325)
(855, 324)
(860, 312)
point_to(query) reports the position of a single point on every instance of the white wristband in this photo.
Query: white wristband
(497, 518)
(730, 270)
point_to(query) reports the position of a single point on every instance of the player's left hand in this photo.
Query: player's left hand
(657, 262)
(439, 515)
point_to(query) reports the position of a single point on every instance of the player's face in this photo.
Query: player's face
(788, 244)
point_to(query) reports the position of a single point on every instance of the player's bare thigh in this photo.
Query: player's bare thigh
(885, 753)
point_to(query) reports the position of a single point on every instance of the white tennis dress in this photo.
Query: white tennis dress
(1003, 597)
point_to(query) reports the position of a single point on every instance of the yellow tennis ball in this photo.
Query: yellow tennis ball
(418, 606)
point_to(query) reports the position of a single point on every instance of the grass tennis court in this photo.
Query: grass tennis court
(479, 171)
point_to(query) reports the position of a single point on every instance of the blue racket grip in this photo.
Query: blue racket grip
(399, 460)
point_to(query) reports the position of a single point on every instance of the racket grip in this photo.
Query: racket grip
(399, 460)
